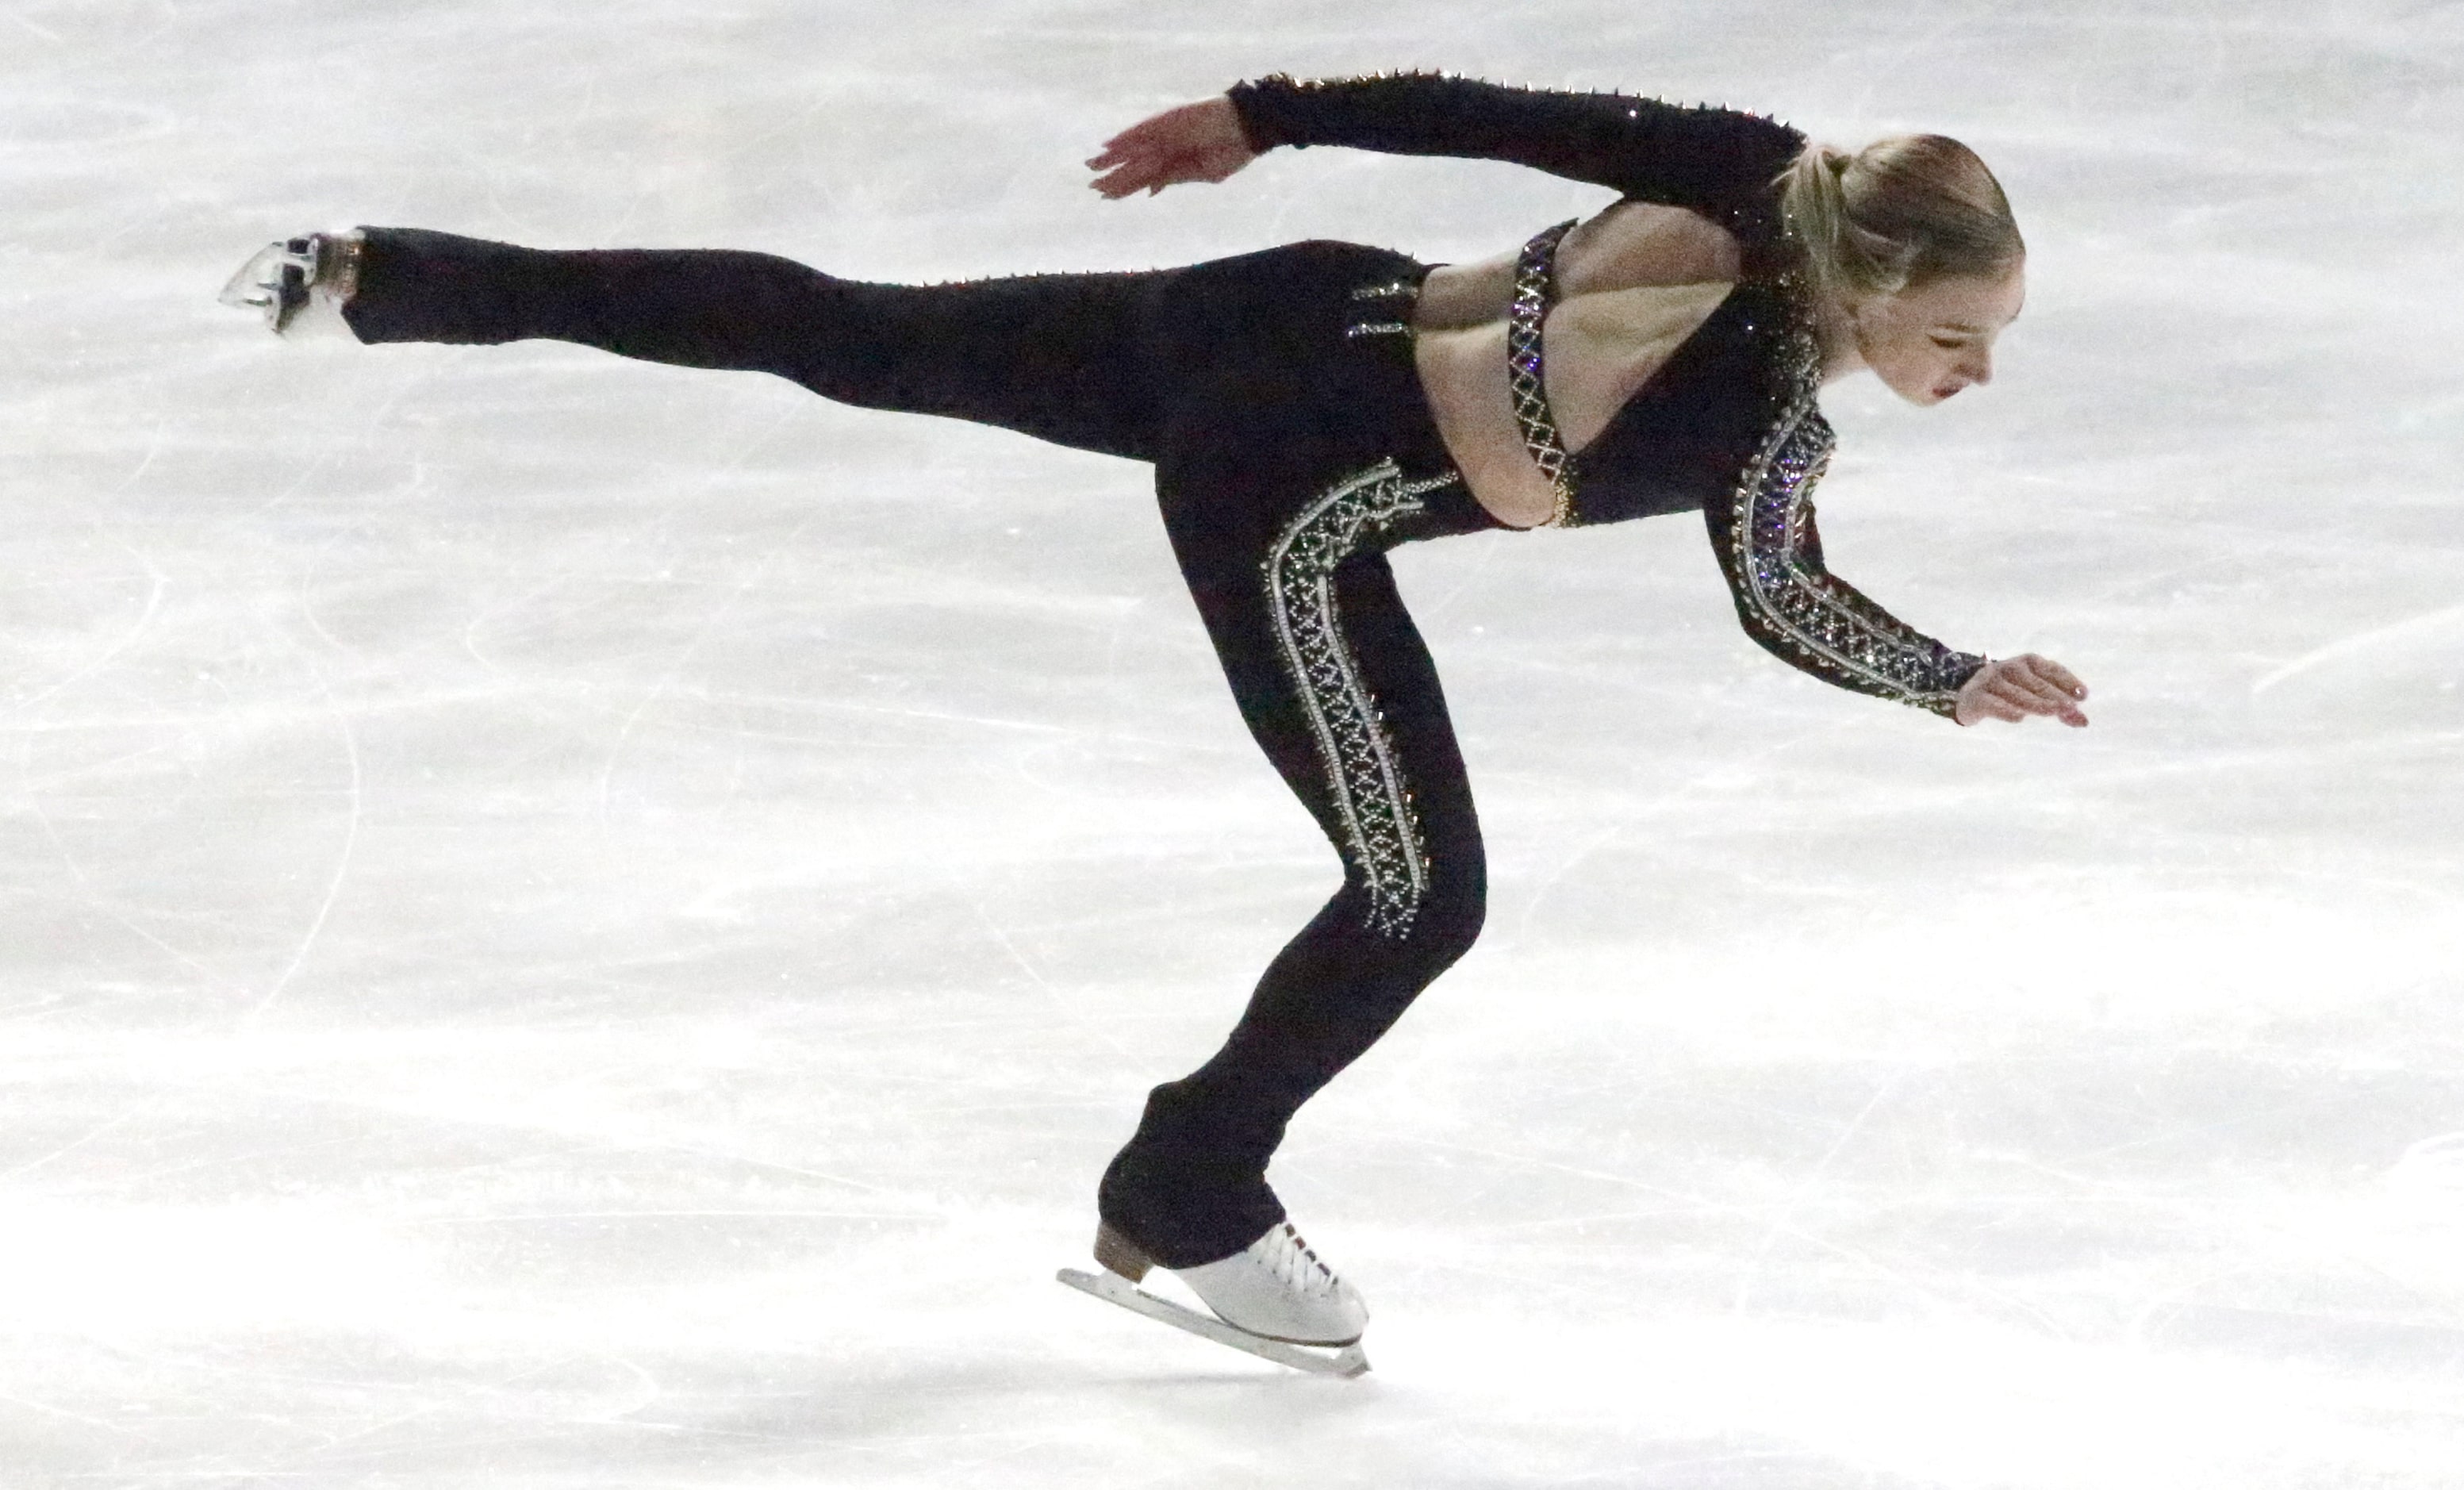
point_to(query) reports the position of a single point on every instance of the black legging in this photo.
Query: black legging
(1275, 395)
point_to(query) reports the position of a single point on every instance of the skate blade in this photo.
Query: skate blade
(254, 286)
(1323, 1360)
(275, 283)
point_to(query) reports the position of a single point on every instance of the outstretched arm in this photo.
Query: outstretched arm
(1715, 161)
(1704, 158)
(1770, 553)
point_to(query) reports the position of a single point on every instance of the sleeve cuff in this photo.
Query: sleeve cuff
(1965, 665)
(1254, 103)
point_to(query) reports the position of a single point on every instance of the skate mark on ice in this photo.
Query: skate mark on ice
(493, 1218)
(1696, 1203)
(95, 902)
(720, 610)
(92, 898)
(2270, 1112)
(1789, 1208)
(72, 1145)
(1001, 939)
(116, 1430)
(339, 1449)
(754, 1161)
(2360, 642)
(350, 835)
(2442, 1151)
(246, 1156)
(157, 583)
(1693, 788)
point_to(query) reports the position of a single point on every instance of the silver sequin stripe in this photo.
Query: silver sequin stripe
(1404, 290)
(1381, 830)
(1525, 371)
(1770, 516)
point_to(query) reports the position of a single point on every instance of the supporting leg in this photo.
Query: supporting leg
(1358, 729)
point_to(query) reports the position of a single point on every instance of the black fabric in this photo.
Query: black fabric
(1065, 358)
(1720, 162)
(1680, 442)
(1692, 437)
(1238, 380)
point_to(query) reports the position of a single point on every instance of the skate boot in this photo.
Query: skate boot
(1275, 1287)
(301, 282)
(1272, 1299)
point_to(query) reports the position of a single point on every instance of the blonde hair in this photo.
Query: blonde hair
(1895, 215)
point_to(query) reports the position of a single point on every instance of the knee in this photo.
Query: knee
(1451, 914)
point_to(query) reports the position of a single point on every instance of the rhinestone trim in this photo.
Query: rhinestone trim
(1831, 630)
(1382, 836)
(1526, 381)
(1406, 291)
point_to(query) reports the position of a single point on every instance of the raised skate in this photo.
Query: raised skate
(308, 276)
(1273, 1299)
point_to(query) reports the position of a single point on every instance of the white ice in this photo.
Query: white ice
(570, 922)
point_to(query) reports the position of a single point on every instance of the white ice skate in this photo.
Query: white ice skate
(299, 283)
(1273, 1299)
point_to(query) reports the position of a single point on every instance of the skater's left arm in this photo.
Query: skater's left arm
(1770, 553)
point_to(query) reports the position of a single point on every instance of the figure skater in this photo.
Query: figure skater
(1307, 409)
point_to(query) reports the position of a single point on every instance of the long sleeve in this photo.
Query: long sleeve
(1771, 556)
(1712, 160)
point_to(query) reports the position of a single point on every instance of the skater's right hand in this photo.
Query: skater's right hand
(2018, 687)
(1196, 141)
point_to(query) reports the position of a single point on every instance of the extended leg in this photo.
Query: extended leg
(1061, 356)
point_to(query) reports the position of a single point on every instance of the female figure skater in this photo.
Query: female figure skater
(1307, 409)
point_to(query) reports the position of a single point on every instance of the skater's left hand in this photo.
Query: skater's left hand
(2017, 687)
(1196, 141)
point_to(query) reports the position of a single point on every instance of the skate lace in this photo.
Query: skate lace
(1297, 1263)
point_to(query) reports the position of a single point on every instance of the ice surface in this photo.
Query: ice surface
(576, 924)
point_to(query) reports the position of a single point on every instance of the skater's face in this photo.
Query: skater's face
(1929, 341)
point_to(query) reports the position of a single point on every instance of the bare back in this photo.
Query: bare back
(1636, 281)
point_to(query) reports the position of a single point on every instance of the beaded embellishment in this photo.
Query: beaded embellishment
(1820, 624)
(1535, 277)
(1374, 300)
(1381, 830)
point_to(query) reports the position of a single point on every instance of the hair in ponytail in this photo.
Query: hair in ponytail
(1895, 215)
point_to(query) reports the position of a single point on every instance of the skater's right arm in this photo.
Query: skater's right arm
(1714, 161)
(1710, 160)
(1196, 141)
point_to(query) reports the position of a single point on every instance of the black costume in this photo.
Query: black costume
(1276, 396)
